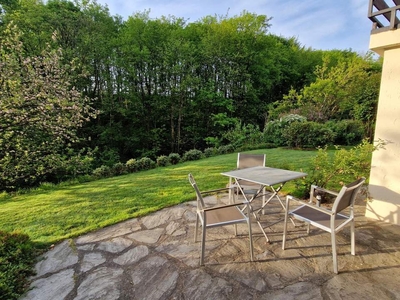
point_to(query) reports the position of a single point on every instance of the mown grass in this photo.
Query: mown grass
(56, 213)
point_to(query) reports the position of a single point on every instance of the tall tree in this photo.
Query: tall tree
(40, 112)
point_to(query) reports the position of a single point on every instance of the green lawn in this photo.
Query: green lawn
(61, 212)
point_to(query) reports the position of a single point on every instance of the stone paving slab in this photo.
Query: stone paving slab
(155, 257)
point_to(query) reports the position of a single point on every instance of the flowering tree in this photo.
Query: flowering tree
(40, 112)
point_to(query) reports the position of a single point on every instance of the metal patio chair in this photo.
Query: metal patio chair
(332, 220)
(218, 216)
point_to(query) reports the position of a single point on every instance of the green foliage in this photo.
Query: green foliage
(145, 163)
(226, 149)
(118, 169)
(17, 258)
(187, 81)
(75, 164)
(163, 161)
(347, 132)
(208, 152)
(193, 154)
(344, 166)
(346, 87)
(102, 171)
(273, 131)
(40, 113)
(165, 85)
(243, 135)
(109, 157)
(307, 135)
(174, 158)
(132, 165)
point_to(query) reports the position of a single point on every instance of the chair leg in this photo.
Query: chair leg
(334, 253)
(250, 234)
(284, 231)
(196, 228)
(353, 238)
(286, 220)
(203, 245)
(308, 228)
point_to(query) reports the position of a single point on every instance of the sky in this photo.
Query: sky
(319, 24)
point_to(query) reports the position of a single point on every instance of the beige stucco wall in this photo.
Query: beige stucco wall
(384, 182)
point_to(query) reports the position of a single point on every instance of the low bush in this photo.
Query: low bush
(307, 135)
(226, 149)
(132, 165)
(101, 172)
(174, 158)
(344, 166)
(273, 131)
(193, 154)
(146, 163)
(108, 157)
(119, 169)
(208, 152)
(17, 258)
(243, 135)
(162, 161)
(347, 132)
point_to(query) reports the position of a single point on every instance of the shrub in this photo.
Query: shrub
(244, 136)
(17, 257)
(77, 164)
(331, 171)
(146, 163)
(193, 154)
(208, 152)
(109, 157)
(307, 135)
(174, 158)
(132, 165)
(118, 169)
(101, 172)
(273, 131)
(226, 149)
(162, 161)
(347, 132)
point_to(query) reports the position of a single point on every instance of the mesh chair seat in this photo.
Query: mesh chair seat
(317, 219)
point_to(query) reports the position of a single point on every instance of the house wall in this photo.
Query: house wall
(384, 181)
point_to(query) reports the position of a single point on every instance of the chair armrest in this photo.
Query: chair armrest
(214, 191)
(314, 187)
(228, 205)
(319, 208)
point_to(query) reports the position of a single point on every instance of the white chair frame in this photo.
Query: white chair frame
(220, 215)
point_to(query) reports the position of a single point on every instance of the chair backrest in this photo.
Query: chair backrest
(200, 201)
(347, 195)
(246, 160)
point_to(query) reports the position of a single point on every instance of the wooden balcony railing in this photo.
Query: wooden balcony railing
(383, 16)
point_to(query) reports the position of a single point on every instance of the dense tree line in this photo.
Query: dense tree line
(165, 86)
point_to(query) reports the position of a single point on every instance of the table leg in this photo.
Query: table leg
(275, 194)
(251, 207)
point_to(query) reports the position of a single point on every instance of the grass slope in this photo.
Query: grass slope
(49, 216)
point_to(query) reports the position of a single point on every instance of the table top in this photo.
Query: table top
(264, 175)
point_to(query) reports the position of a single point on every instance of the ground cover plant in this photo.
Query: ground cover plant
(17, 258)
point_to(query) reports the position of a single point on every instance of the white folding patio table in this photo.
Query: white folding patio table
(265, 177)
